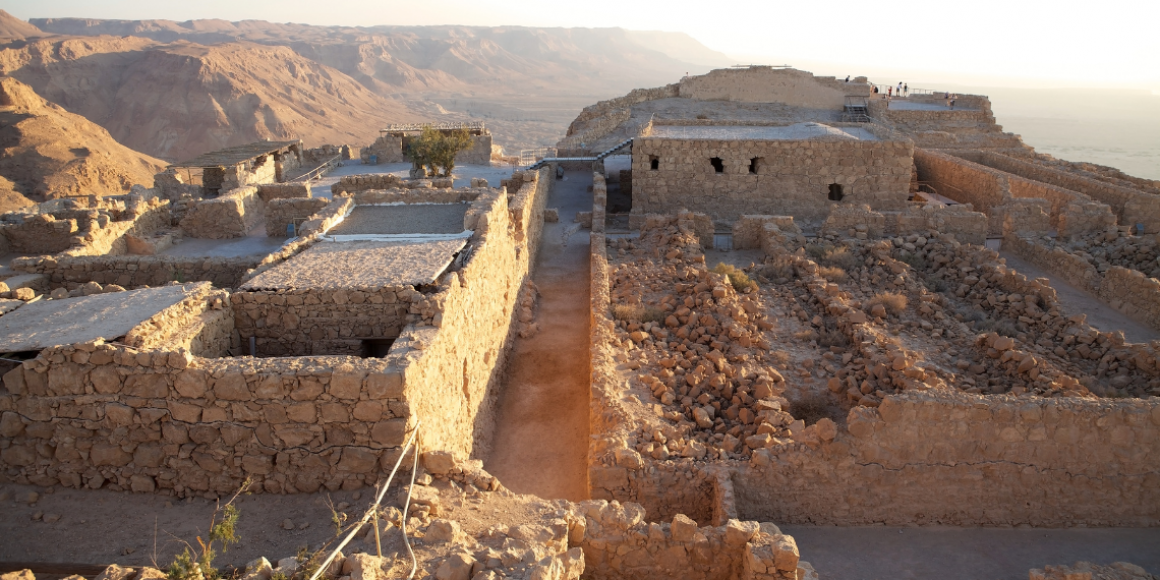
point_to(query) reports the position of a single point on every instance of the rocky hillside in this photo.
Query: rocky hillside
(179, 100)
(47, 152)
(13, 28)
(512, 59)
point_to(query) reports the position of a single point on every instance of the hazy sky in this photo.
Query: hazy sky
(1110, 43)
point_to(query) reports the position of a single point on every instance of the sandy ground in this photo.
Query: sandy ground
(462, 175)
(99, 527)
(46, 323)
(1076, 301)
(541, 440)
(403, 219)
(867, 553)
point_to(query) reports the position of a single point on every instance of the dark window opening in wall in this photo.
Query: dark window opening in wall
(835, 192)
(654, 163)
(376, 347)
(718, 165)
(753, 165)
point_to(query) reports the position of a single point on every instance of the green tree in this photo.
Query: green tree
(434, 149)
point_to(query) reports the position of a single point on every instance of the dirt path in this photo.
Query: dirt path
(1075, 301)
(867, 553)
(541, 436)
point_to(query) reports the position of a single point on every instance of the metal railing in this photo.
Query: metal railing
(318, 171)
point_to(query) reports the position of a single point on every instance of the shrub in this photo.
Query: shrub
(830, 338)
(627, 312)
(197, 563)
(893, 303)
(913, 260)
(839, 257)
(832, 273)
(737, 277)
(433, 149)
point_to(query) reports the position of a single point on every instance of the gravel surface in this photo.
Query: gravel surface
(403, 219)
(795, 132)
(48, 323)
(361, 264)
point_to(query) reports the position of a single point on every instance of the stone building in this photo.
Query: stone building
(803, 169)
(227, 169)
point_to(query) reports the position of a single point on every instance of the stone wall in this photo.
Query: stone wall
(961, 459)
(309, 321)
(762, 84)
(270, 191)
(389, 149)
(478, 154)
(792, 178)
(373, 181)
(1124, 289)
(98, 415)
(749, 230)
(232, 215)
(40, 234)
(130, 271)
(452, 366)
(1009, 200)
(1131, 206)
(281, 213)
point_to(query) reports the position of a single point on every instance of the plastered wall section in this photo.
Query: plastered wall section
(281, 213)
(759, 84)
(792, 178)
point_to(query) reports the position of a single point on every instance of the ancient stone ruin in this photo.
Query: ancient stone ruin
(799, 303)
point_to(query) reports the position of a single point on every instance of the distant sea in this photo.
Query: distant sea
(1117, 128)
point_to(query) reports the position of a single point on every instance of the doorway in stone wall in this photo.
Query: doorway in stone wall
(376, 347)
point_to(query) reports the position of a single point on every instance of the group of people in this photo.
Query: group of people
(901, 90)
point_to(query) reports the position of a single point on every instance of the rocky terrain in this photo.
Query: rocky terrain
(148, 82)
(47, 152)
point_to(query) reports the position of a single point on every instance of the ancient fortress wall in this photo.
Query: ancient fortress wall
(1012, 202)
(1129, 291)
(793, 177)
(926, 457)
(769, 85)
(452, 366)
(963, 459)
(1131, 206)
(97, 414)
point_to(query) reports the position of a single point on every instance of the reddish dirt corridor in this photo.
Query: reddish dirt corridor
(541, 434)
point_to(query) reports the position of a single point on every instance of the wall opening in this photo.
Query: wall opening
(376, 347)
(718, 165)
(654, 163)
(753, 165)
(836, 192)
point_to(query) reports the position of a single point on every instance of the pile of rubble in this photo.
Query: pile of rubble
(1117, 248)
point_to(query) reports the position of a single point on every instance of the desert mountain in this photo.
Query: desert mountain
(47, 152)
(179, 100)
(13, 28)
(600, 61)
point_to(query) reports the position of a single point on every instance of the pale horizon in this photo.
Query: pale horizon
(1069, 46)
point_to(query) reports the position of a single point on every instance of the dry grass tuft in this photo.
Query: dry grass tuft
(832, 273)
(893, 303)
(637, 313)
(737, 277)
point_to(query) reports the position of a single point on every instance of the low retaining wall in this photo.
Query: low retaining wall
(271, 191)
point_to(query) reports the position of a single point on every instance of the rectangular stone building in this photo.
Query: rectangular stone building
(803, 170)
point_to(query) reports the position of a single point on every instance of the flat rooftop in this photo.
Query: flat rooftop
(795, 132)
(236, 155)
(403, 219)
(48, 323)
(360, 264)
